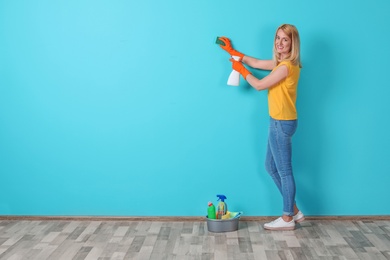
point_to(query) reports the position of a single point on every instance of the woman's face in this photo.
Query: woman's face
(282, 43)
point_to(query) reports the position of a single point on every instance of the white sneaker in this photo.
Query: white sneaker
(299, 217)
(280, 224)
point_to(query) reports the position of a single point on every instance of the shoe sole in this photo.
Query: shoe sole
(300, 220)
(279, 228)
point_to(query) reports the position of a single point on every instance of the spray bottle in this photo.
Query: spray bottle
(234, 77)
(222, 206)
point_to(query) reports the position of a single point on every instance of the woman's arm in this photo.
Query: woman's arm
(258, 64)
(270, 80)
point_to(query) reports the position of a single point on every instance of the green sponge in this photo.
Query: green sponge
(218, 41)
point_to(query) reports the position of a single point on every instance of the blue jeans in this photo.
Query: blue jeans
(278, 160)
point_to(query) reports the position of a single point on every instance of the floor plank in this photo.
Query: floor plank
(154, 240)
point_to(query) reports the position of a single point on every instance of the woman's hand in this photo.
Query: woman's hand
(239, 67)
(227, 46)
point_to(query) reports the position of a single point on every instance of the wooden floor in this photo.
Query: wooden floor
(74, 239)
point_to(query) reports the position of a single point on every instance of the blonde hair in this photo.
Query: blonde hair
(292, 32)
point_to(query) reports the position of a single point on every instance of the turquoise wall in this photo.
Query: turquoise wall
(121, 107)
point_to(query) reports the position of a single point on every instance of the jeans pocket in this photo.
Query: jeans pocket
(288, 127)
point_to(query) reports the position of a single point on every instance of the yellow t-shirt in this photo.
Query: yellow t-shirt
(282, 97)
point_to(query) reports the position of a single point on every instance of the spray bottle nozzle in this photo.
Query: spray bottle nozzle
(221, 197)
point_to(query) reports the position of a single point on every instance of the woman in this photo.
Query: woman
(282, 85)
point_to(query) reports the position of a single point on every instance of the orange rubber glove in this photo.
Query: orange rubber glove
(228, 47)
(238, 66)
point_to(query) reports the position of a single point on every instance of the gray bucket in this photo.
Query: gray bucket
(222, 225)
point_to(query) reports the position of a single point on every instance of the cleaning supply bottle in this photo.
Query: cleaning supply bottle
(211, 211)
(222, 206)
(234, 77)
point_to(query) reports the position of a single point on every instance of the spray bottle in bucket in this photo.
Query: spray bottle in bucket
(222, 206)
